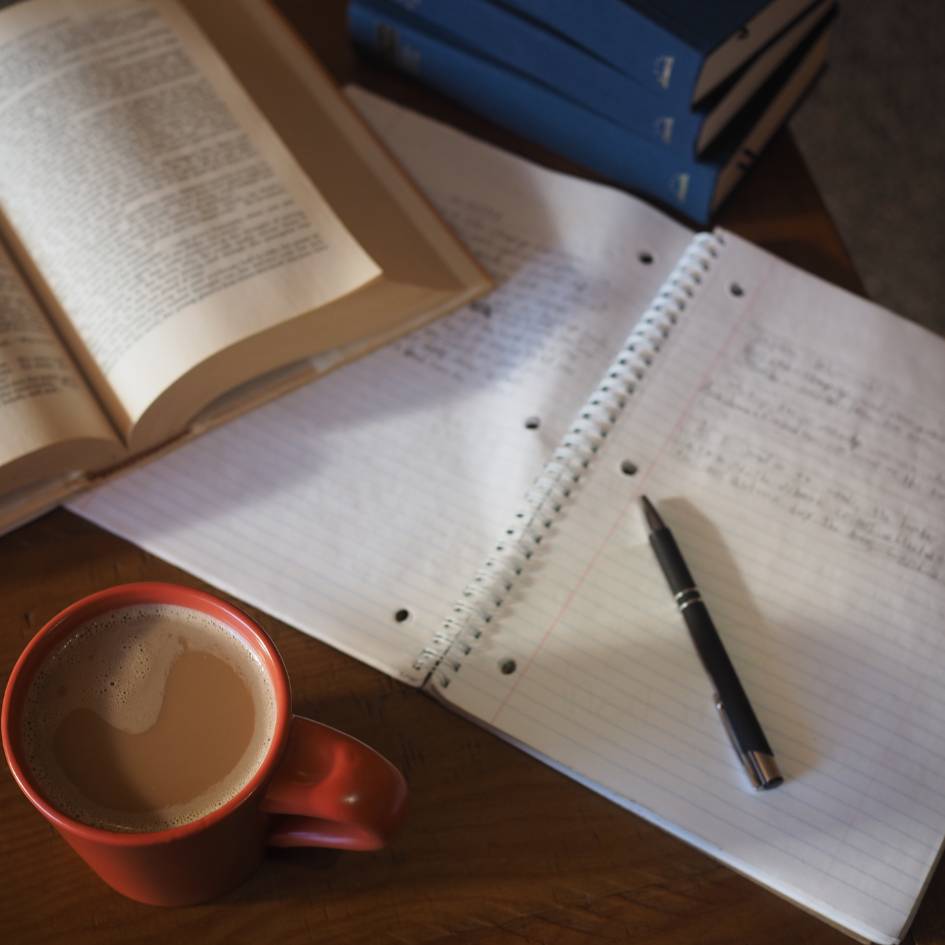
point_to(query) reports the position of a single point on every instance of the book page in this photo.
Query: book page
(357, 508)
(161, 214)
(49, 420)
(365, 186)
(792, 437)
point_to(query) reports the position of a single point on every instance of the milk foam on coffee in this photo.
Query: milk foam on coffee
(146, 718)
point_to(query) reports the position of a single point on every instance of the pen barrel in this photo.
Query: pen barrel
(671, 561)
(745, 727)
(728, 687)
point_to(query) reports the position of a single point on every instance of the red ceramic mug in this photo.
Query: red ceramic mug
(315, 787)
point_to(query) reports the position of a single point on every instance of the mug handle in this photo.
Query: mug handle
(331, 790)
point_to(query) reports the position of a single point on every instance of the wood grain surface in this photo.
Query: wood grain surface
(497, 848)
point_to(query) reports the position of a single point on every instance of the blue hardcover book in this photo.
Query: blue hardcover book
(681, 48)
(693, 186)
(486, 28)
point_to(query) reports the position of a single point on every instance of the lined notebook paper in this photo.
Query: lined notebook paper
(792, 437)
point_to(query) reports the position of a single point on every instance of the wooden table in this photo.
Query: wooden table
(498, 848)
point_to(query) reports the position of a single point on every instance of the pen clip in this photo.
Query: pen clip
(761, 768)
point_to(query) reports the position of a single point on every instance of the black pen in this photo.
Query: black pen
(737, 714)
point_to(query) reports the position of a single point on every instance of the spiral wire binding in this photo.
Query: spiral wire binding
(482, 597)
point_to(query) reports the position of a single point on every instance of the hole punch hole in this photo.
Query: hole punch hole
(736, 290)
(507, 667)
(401, 615)
(532, 423)
(629, 468)
(645, 257)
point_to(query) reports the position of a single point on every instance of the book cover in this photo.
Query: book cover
(488, 30)
(680, 48)
(695, 187)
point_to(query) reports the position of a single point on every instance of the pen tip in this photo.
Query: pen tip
(653, 520)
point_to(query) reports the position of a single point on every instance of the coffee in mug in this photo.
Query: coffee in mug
(151, 725)
(146, 718)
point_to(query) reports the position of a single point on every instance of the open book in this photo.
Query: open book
(188, 210)
(460, 510)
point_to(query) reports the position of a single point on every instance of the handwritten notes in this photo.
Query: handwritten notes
(794, 427)
(547, 316)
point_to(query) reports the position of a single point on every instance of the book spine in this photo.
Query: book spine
(531, 110)
(483, 597)
(519, 43)
(618, 33)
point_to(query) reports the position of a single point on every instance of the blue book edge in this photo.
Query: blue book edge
(689, 186)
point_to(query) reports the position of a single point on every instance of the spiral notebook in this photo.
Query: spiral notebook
(460, 510)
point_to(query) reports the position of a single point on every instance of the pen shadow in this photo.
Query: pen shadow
(758, 648)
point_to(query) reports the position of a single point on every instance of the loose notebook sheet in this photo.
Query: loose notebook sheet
(793, 439)
(376, 492)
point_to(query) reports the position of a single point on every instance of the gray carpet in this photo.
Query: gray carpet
(873, 134)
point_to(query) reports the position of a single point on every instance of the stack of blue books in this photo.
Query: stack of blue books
(674, 99)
